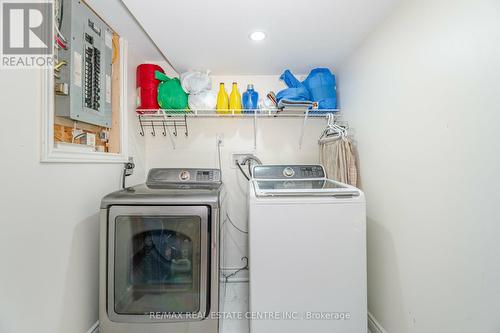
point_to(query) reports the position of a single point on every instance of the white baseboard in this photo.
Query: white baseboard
(94, 328)
(374, 326)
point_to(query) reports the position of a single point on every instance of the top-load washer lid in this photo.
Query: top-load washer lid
(297, 180)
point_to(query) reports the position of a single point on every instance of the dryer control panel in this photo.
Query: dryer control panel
(189, 175)
(288, 171)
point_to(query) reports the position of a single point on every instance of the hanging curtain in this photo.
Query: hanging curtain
(339, 159)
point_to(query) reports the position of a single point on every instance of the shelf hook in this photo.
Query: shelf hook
(142, 127)
(164, 128)
(175, 128)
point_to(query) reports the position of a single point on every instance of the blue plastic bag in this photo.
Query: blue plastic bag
(322, 87)
(296, 91)
(293, 94)
(319, 86)
(290, 80)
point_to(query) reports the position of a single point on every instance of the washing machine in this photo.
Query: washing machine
(159, 254)
(307, 251)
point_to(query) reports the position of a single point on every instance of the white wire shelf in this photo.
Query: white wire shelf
(149, 114)
(169, 121)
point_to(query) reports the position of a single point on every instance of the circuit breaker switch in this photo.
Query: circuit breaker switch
(61, 89)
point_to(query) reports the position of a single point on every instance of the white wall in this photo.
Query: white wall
(48, 212)
(49, 238)
(423, 94)
(277, 142)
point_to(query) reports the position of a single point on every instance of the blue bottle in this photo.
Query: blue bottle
(250, 99)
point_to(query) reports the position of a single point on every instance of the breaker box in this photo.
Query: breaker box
(83, 85)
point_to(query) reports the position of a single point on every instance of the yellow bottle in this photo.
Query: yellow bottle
(222, 99)
(235, 99)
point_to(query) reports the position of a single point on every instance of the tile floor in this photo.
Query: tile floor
(236, 301)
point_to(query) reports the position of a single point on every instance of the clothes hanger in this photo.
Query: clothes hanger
(330, 127)
(332, 130)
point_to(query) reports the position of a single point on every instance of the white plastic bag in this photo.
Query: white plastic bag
(266, 103)
(204, 100)
(194, 82)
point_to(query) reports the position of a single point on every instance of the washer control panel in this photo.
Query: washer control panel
(288, 171)
(312, 172)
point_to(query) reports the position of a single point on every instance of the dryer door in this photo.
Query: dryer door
(158, 263)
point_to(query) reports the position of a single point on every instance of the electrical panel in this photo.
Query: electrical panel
(83, 71)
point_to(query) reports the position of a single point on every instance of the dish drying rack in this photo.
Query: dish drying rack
(162, 120)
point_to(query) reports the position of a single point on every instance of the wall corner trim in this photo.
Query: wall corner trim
(374, 326)
(94, 328)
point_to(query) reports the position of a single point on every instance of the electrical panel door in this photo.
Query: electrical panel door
(83, 84)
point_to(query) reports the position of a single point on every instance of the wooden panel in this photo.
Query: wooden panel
(114, 137)
(65, 134)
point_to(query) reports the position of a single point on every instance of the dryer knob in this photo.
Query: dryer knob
(184, 175)
(288, 172)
